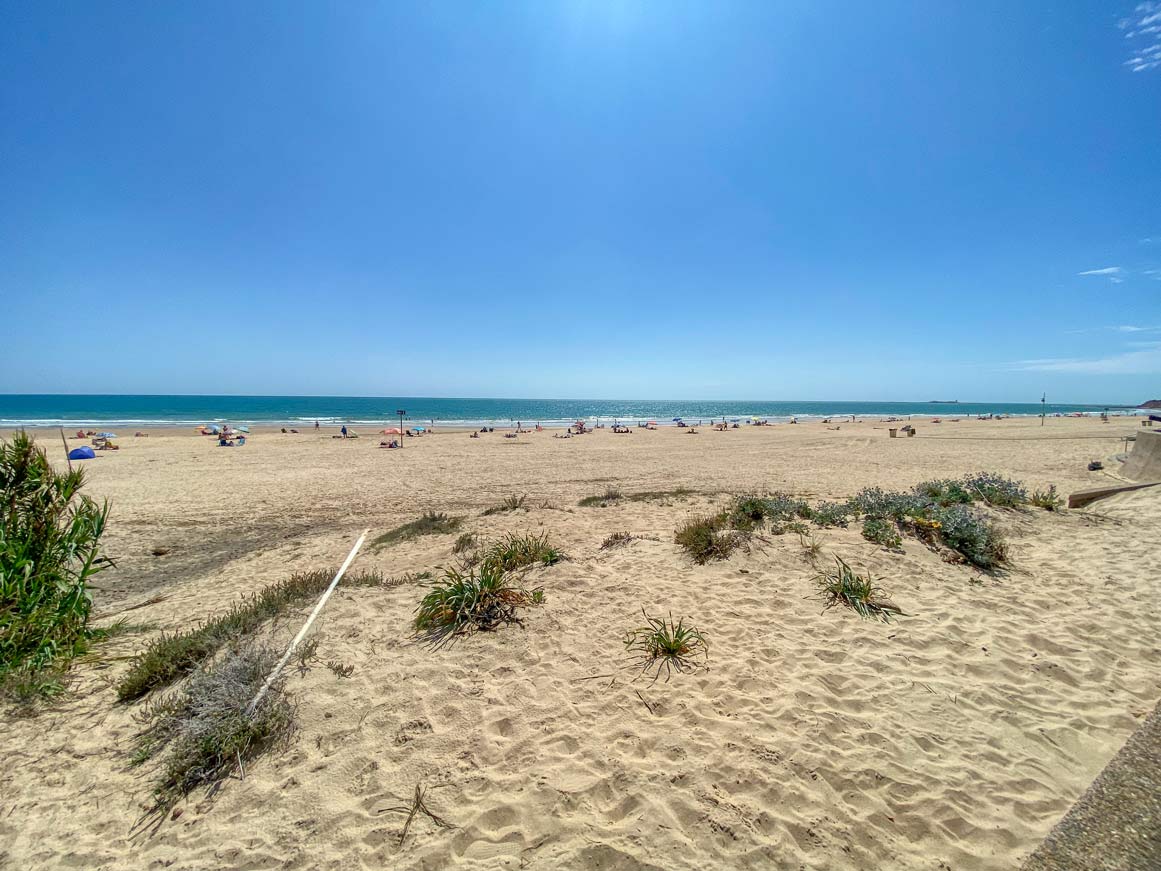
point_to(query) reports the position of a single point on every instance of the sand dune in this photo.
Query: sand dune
(953, 737)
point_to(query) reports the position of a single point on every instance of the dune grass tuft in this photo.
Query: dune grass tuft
(842, 585)
(430, 523)
(203, 731)
(171, 656)
(482, 599)
(514, 552)
(663, 645)
(511, 503)
(706, 538)
(616, 539)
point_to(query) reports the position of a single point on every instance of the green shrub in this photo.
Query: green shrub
(972, 536)
(478, 600)
(431, 523)
(204, 730)
(842, 585)
(1048, 499)
(996, 489)
(945, 492)
(666, 646)
(518, 551)
(704, 539)
(171, 656)
(49, 549)
(883, 532)
(875, 502)
(831, 514)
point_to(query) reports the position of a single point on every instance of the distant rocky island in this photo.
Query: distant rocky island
(1152, 403)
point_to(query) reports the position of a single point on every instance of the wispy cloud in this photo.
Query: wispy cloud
(1143, 31)
(1112, 273)
(1145, 361)
(1120, 328)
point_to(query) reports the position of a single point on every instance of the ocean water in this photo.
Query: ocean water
(32, 410)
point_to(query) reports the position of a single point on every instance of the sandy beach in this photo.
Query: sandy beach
(950, 738)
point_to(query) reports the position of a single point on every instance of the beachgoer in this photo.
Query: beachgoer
(344, 430)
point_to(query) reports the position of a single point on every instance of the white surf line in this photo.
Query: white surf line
(270, 678)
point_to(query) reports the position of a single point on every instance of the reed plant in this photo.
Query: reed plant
(50, 548)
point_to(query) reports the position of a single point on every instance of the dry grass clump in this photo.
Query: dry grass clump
(467, 541)
(1048, 499)
(842, 585)
(465, 602)
(204, 731)
(430, 523)
(512, 503)
(174, 655)
(678, 493)
(611, 495)
(706, 539)
(663, 645)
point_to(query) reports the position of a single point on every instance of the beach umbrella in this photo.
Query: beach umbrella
(652, 423)
(213, 427)
(676, 419)
(242, 428)
(420, 428)
(106, 435)
(393, 430)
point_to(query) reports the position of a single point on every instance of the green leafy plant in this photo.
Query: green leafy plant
(204, 731)
(479, 600)
(663, 645)
(173, 655)
(883, 532)
(842, 585)
(1048, 499)
(49, 550)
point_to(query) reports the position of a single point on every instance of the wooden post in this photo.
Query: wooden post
(65, 442)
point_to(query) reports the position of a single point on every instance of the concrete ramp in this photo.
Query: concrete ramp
(1144, 463)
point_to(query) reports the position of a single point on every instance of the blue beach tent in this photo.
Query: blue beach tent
(82, 453)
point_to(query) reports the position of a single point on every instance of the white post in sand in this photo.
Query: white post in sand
(270, 678)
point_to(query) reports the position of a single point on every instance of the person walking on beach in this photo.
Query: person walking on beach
(316, 426)
(344, 430)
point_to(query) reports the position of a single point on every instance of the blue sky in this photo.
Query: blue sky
(792, 200)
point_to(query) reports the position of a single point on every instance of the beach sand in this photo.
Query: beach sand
(954, 737)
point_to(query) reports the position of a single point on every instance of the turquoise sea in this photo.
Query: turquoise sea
(32, 410)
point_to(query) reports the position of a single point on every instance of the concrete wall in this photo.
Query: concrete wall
(1144, 463)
